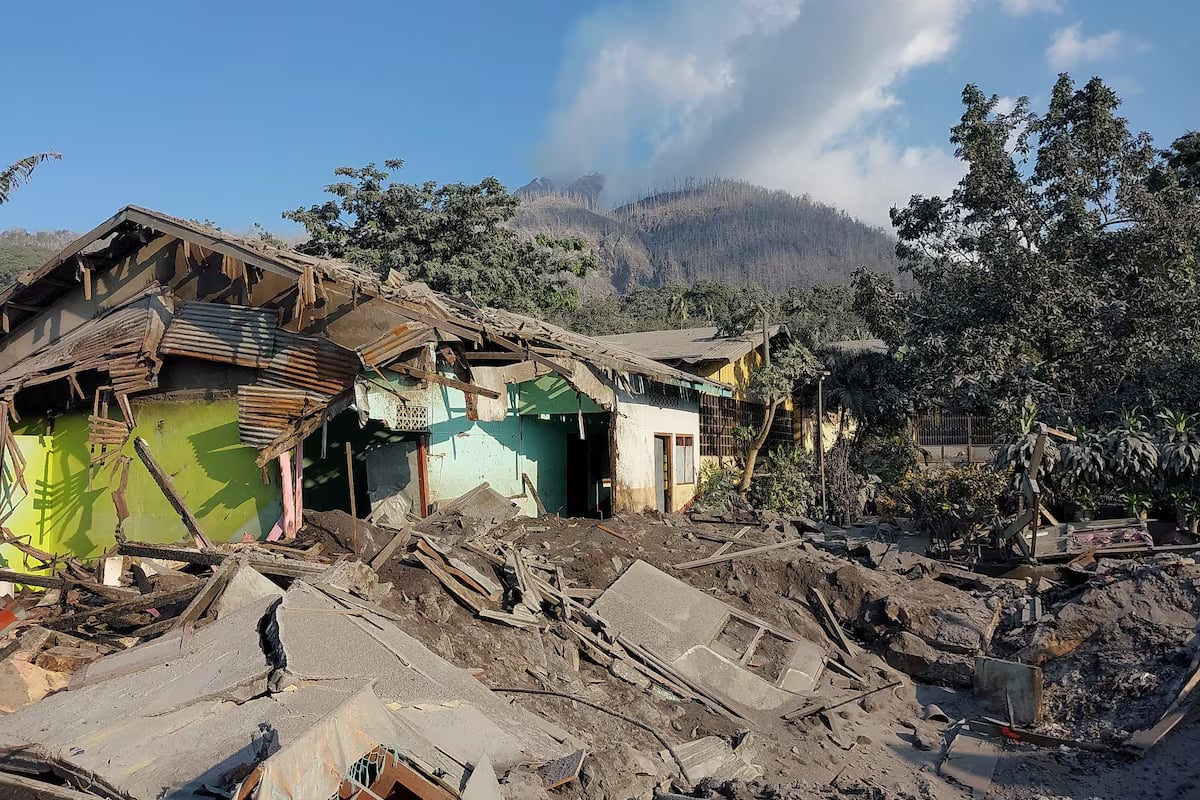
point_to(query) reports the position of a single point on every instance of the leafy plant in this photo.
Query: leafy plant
(17, 173)
(1138, 502)
(717, 485)
(454, 237)
(1131, 452)
(1014, 454)
(787, 486)
(888, 457)
(952, 502)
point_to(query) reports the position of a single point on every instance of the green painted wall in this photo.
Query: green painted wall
(196, 442)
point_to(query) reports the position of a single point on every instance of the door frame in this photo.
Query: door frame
(669, 474)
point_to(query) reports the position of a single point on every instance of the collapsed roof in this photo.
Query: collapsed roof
(143, 285)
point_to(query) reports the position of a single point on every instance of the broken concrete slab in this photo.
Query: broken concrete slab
(1009, 689)
(971, 761)
(732, 655)
(245, 587)
(23, 683)
(214, 702)
(712, 757)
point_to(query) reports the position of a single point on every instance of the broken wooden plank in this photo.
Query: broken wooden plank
(723, 549)
(13, 785)
(434, 377)
(827, 612)
(208, 595)
(27, 579)
(810, 708)
(398, 541)
(452, 585)
(164, 597)
(611, 532)
(1145, 739)
(704, 562)
(172, 494)
(281, 567)
(536, 498)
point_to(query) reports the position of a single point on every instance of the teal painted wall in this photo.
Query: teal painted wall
(464, 453)
(196, 442)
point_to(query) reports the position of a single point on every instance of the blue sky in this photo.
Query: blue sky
(236, 111)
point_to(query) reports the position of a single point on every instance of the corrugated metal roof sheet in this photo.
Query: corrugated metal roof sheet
(395, 342)
(224, 333)
(315, 365)
(122, 342)
(689, 345)
(267, 412)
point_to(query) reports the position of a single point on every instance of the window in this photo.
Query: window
(685, 459)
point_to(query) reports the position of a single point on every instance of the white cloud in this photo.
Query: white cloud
(1020, 8)
(798, 95)
(1070, 48)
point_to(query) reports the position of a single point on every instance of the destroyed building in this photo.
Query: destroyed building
(160, 379)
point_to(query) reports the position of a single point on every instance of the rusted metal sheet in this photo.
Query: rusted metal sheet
(122, 343)
(315, 365)
(395, 343)
(224, 333)
(267, 412)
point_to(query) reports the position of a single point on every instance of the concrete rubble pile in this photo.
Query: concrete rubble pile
(482, 654)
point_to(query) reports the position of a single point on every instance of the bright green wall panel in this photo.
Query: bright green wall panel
(196, 442)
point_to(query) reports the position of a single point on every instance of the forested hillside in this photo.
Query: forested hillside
(21, 250)
(717, 230)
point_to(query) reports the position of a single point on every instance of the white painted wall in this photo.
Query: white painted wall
(637, 419)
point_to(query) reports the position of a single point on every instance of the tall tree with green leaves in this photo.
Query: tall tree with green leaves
(1062, 269)
(452, 237)
(791, 367)
(17, 173)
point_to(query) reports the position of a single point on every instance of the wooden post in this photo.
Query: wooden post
(350, 480)
(968, 438)
(172, 494)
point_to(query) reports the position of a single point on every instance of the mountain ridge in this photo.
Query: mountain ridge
(717, 229)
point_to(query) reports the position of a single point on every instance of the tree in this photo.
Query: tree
(793, 366)
(1062, 270)
(453, 237)
(18, 173)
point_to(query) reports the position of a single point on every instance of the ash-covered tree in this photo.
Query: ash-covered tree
(1063, 267)
(452, 237)
(791, 367)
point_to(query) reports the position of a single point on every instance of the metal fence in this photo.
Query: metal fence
(955, 437)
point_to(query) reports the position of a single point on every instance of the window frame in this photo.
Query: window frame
(690, 444)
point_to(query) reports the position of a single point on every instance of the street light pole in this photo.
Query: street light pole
(821, 437)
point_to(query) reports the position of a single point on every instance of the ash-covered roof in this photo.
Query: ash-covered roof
(690, 345)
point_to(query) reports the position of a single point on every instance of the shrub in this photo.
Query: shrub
(717, 486)
(787, 486)
(888, 457)
(951, 502)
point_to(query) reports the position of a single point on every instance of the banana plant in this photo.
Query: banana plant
(1179, 457)
(1082, 472)
(1131, 451)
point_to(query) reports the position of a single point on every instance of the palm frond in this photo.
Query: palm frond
(16, 174)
